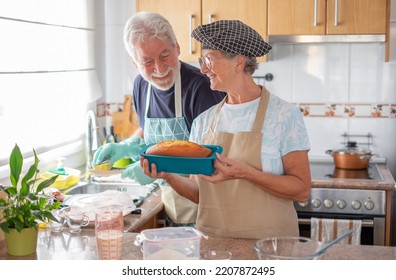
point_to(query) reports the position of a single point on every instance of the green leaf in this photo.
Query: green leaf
(20, 217)
(46, 183)
(56, 205)
(4, 227)
(18, 225)
(33, 170)
(32, 196)
(49, 216)
(25, 180)
(11, 190)
(42, 202)
(3, 202)
(16, 162)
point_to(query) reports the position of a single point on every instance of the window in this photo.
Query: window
(48, 79)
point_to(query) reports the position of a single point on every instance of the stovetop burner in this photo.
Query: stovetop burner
(327, 170)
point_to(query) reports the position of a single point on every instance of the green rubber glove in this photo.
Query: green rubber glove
(135, 171)
(128, 148)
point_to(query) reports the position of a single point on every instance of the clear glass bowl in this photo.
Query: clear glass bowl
(288, 248)
(215, 255)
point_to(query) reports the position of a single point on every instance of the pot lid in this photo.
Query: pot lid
(351, 149)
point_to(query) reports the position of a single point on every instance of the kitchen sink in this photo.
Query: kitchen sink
(133, 189)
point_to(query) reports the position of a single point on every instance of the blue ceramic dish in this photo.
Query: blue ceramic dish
(183, 165)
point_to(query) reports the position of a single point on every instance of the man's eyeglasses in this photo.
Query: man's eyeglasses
(207, 61)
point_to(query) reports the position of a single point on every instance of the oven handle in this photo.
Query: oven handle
(365, 223)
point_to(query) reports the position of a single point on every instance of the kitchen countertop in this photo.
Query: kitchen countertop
(83, 246)
(151, 206)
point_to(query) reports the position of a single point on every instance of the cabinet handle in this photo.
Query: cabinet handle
(191, 28)
(336, 13)
(315, 13)
(210, 18)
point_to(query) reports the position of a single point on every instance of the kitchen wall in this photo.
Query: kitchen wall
(313, 76)
(345, 76)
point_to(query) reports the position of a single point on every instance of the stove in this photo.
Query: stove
(347, 203)
(343, 200)
(327, 170)
(343, 203)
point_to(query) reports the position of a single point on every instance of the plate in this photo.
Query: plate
(183, 165)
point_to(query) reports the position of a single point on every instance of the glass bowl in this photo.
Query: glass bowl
(288, 248)
(215, 255)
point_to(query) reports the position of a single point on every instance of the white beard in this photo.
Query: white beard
(162, 84)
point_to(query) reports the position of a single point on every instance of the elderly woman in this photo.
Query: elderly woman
(264, 166)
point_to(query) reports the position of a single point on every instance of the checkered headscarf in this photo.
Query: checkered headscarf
(231, 36)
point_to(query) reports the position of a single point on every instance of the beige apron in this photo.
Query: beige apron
(178, 208)
(238, 208)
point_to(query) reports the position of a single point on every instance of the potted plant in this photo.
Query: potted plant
(24, 205)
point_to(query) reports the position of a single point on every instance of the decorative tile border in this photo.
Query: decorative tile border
(107, 109)
(337, 110)
(348, 110)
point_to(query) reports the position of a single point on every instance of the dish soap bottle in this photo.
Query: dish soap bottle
(60, 170)
(67, 176)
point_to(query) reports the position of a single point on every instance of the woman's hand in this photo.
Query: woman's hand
(227, 169)
(144, 163)
(182, 185)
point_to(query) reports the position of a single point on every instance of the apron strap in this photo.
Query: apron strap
(148, 94)
(216, 115)
(260, 115)
(261, 111)
(178, 107)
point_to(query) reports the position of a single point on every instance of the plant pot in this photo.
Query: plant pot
(21, 243)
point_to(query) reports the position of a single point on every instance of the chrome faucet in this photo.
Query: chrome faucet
(91, 143)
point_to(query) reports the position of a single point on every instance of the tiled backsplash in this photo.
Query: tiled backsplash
(340, 88)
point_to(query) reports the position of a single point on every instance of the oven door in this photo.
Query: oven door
(373, 228)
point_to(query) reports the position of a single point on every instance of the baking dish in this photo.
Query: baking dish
(183, 165)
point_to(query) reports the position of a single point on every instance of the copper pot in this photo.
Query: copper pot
(351, 174)
(351, 157)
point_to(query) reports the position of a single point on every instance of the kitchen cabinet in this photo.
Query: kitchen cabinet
(186, 15)
(290, 17)
(319, 17)
(331, 18)
(356, 17)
